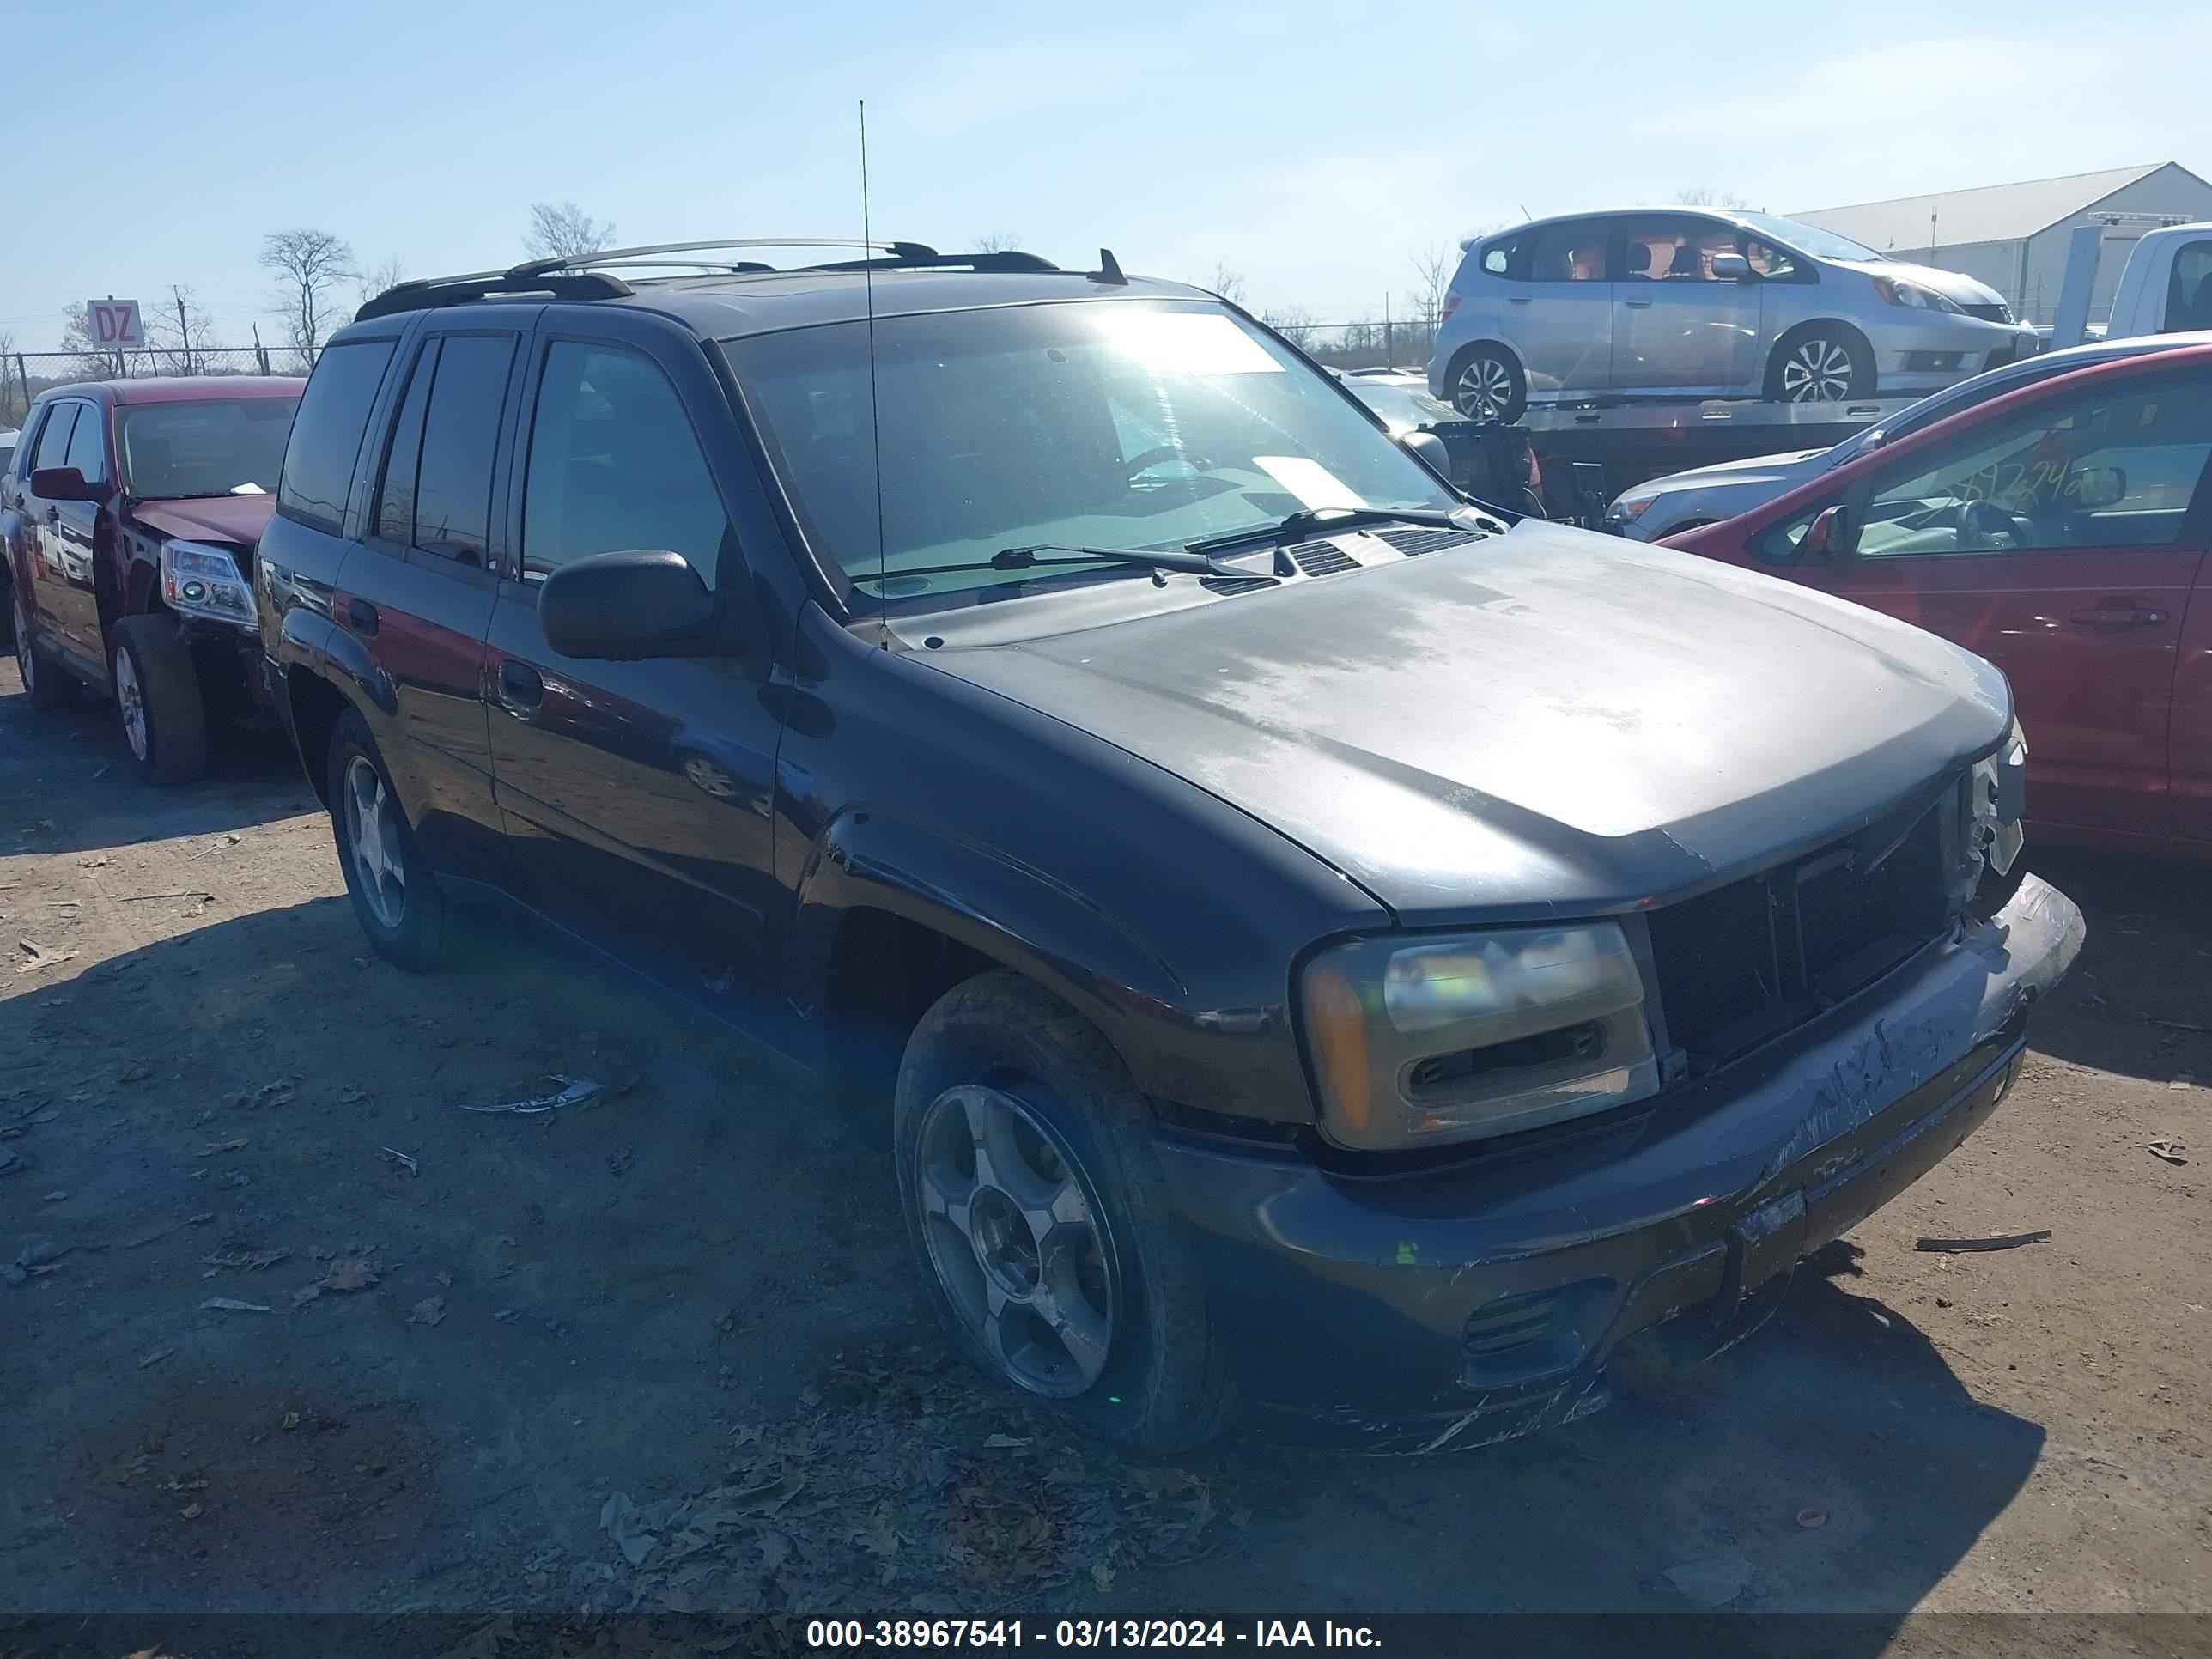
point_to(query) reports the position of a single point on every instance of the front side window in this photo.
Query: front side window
(2118, 469)
(230, 446)
(54, 436)
(87, 449)
(1810, 239)
(1099, 424)
(614, 466)
(2189, 290)
(327, 433)
(1776, 265)
(1578, 251)
(1675, 247)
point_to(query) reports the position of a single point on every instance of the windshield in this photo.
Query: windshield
(1401, 408)
(1810, 239)
(232, 446)
(1109, 423)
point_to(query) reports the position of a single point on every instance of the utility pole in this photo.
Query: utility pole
(183, 330)
(260, 354)
(1389, 350)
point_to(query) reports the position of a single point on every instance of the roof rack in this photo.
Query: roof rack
(590, 276)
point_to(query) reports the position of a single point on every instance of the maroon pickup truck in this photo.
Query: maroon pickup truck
(129, 516)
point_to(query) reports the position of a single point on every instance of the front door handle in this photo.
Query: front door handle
(521, 690)
(361, 616)
(2119, 613)
(1638, 305)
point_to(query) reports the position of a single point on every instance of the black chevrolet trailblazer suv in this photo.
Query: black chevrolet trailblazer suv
(1315, 944)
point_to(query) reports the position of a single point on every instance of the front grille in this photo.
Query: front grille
(1995, 313)
(1510, 1322)
(1412, 543)
(1746, 962)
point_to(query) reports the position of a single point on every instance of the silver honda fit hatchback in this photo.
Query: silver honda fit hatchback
(1693, 303)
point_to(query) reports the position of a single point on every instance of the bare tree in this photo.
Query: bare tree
(1706, 195)
(1434, 266)
(565, 231)
(177, 334)
(1229, 284)
(12, 410)
(309, 266)
(1295, 323)
(998, 241)
(384, 274)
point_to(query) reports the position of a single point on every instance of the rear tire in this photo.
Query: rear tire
(394, 894)
(1056, 1211)
(46, 682)
(1488, 383)
(1821, 363)
(157, 700)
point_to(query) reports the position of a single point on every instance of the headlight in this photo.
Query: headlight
(204, 581)
(1999, 799)
(1421, 1040)
(1904, 293)
(1632, 506)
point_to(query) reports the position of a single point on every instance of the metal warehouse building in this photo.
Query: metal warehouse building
(2014, 237)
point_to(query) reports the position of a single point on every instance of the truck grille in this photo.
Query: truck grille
(1746, 962)
(1995, 313)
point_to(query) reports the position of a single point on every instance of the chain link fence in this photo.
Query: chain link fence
(25, 375)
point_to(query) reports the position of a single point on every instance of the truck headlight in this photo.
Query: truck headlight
(1631, 507)
(197, 581)
(1998, 796)
(1418, 1040)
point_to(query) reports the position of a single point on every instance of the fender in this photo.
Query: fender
(345, 662)
(1013, 913)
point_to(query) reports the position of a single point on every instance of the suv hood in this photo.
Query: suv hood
(1959, 291)
(238, 519)
(1552, 721)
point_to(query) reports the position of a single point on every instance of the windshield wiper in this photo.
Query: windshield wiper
(1312, 521)
(1026, 558)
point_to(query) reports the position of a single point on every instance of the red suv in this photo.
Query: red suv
(2060, 531)
(128, 515)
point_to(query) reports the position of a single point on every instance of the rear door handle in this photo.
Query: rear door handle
(1519, 299)
(361, 616)
(521, 690)
(2119, 613)
(1637, 304)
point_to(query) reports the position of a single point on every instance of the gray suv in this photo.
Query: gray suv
(1674, 302)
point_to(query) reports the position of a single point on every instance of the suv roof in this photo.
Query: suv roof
(719, 299)
(181, 388)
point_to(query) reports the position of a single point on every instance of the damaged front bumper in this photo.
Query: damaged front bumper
(1476, 1304)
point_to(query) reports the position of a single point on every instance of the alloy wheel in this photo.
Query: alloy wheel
(130, 704)
(1016, 1239)
(372, 830)
(1819, 371)
(1485, 389)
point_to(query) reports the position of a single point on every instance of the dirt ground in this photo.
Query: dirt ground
(664, 1350)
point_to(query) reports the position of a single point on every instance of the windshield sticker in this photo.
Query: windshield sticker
(1314, 484)
(1190, 342)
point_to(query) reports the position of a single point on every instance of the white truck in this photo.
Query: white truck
(2165, 288)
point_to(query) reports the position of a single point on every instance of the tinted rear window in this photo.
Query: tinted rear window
(326, 435)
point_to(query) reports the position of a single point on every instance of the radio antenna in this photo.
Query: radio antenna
(875, 427)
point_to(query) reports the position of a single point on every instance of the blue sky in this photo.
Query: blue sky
(1311, 147)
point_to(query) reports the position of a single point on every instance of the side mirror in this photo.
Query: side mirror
(1829, 535)
(1731, 268)
(64, 483)
(622, 606)
(1428, 449)
(2097, 487)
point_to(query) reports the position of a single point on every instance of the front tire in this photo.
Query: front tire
(1488, 383)
(394, 894)
(1037, 1211)
(157, 700)
(1823, 364)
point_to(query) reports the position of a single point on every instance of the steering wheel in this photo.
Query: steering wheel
(1981, 523)
(1136, 465)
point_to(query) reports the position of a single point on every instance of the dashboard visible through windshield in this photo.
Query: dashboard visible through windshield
(1115, 424)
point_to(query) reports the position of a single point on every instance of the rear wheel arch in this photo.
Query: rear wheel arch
(1516, 401)
(316, 707)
